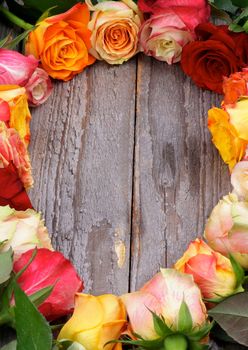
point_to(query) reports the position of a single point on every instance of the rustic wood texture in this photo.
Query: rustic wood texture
(125, 172)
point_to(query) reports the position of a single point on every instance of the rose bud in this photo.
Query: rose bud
(95, 321)
(212, 272)
(170, 299)
(15, 68)
(39, 87)
(171, 27)
(50, 269)
(62, 43)
(229, 129)
(239, 180)
(22, 230)
(227, 228)
(17, 116)
(115, 26)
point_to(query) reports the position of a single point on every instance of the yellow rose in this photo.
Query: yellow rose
(228, 133)
(95, 321)
(20, 116)
(115, 26)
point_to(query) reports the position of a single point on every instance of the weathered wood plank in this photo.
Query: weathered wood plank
(82, 157)
(178, 174)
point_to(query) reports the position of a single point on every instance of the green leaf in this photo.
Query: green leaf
(46, 14)
(232, 316)
(33, 331)
(11, 44)
(27, 265)
(225, 5)
(58, 5)
(238, 270)
(10, 346)
(38, 297)
(185, 322)
(240, 3)
(6, 265)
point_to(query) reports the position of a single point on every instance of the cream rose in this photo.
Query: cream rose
(115, 26)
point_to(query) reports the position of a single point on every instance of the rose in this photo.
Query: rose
(212, 272)
(22, 230)
(115, 26)
(192, 12)
(163, 36)
(239, 180)
(207, 61)
(62, 42)
(15, 68)
(16, 114)
(12, 191)
(229, 135)
(39, 87)
(13, 151)
(166, 294)
(171, 27)
(227, 228)
(95, 321)
(50, 269)
(235, 86)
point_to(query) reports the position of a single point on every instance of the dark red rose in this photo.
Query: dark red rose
(50, 268)
(12, 191)
(213, 57)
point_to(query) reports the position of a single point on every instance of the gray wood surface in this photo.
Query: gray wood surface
(125, 172)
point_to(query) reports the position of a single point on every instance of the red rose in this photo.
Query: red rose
(212, 58)
(12, 191)
(50, 268)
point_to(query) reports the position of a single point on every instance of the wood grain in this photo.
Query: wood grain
(82, 157)
(178, 175)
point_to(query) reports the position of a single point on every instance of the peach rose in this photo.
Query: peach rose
(212, 272)
(62, 42)
(95, 321)
(16, 114)
(227, 228)
(13, 150)
(22, 230)
(115, 26)
(170, 295)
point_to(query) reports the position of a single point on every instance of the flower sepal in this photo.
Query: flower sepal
(186, 337)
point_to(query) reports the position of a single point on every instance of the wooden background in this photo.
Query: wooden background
(125, 172)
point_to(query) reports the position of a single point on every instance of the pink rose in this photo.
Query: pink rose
(163, 36)
(39, 87)
(50, 269)
(15, 68)
(190, 12)
(13, 150)
(170, 27)
(165, 294)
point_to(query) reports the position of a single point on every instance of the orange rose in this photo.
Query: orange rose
(17, 115)
(62, 43)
